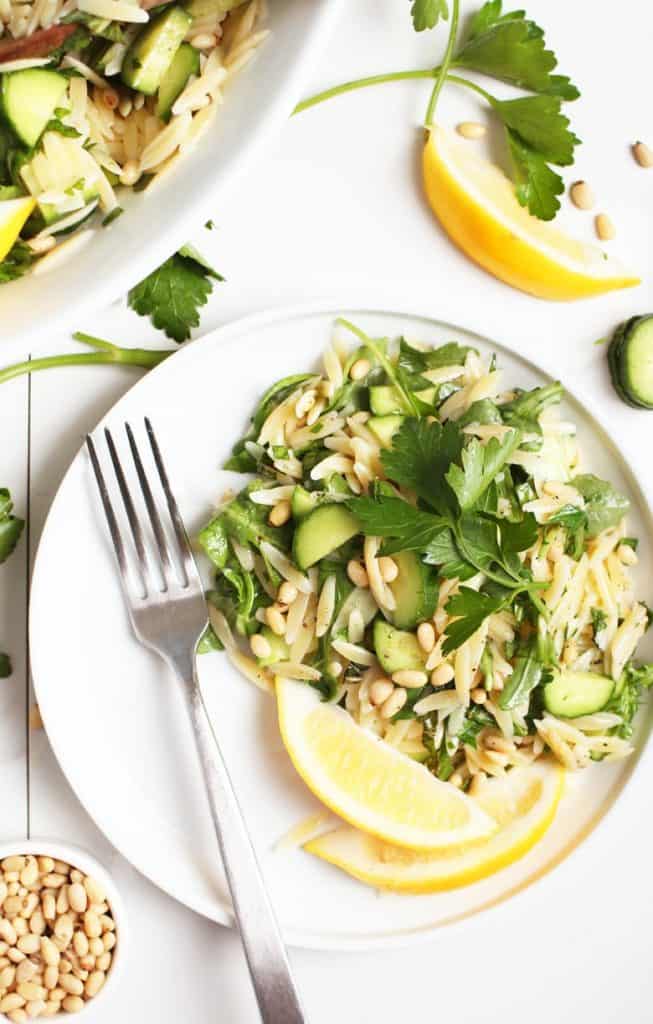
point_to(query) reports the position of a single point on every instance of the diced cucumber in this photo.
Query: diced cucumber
(206, 8)
(396, 649)
(384, 427)
(302, 502)
(152, 51)
(186, 62)
(630, 357)
(415, 590)
(29, 99)
(386, 401)
(278, 648)
(321, 532)
(571, 694)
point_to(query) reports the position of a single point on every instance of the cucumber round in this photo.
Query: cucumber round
(572, 694)
(630, 358)
(302, 502)
(150, 55)
(385, 427)
(29, 99)
(322, 531)
(396, 649)
(415, 590)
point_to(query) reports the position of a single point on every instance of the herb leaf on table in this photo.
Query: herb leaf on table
(427, 13)
(173, 293)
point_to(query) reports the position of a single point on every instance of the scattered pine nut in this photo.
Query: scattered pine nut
(412, 678)
(426, 636)
(261, 647)
(388, 568)
(280, 514)
(394, 702)
(581, 195)
(442, 674)
(380, 691)
(275, 619)
(471, 129)
(604, 227)
(360, 369)
(287, 593)
(357, 574)
(643, 154)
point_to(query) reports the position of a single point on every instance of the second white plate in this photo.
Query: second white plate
(117, 721)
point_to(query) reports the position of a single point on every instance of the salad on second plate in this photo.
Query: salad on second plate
(423, 554)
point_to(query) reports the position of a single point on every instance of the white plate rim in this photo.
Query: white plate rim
(355, 302)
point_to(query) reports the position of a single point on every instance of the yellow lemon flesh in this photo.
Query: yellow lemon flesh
(13, 214)
(369, 783)
(476, 204)
(522, 803)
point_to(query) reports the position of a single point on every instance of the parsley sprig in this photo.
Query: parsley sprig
(508, 47)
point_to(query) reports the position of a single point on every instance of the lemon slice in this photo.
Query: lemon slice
(368, 782)
(476, 204)
(13, 214)
(523, 803)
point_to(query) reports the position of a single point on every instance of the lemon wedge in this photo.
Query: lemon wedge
(476, 204)
(369, 783)
(523, 804)
(13, 214)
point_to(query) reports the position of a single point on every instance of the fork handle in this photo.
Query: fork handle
(266, 955)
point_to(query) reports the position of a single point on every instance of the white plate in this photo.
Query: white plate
(117, 722)
(164, 216)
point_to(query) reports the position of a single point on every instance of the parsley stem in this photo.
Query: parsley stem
(457, 80)
(363, 83)
(105, 353)
(444, 67)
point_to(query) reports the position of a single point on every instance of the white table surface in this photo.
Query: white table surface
(337, 206)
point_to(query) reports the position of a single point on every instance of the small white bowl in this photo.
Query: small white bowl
(79, 858)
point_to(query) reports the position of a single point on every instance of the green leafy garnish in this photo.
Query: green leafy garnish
(605, 507)
(480, 465)
(427, 13)
(628, 696)
(16, 263)
(173, 293)
(11, 528)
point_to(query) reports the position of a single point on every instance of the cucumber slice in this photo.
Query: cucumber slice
(321, 532)
(396, 649)
(29, 99)
(384, 428)
(186, 62)
(152, 51)
(571, 694)
(279, 648)
(386, 401)
(207, 8)
(415, 591)
(630, 357)
(302, 502)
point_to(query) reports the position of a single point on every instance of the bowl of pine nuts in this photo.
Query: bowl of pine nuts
(62, 930)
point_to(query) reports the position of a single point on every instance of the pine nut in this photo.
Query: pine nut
(20, 926)
(604, 227)
(96, 947)
(203, 41)
(394, 703)
(46, 865)
(388, 568)
(52, 1007)
(108, 923)
(410, 678)
(131, 171)
(30, 872)
(471, 129)
(643, 154)
(3, 891)
(360, 369)
(50, 976)
(94, 983)
(12, 877)
(426, 636)
(65, 967)
(69, 983)
(380, 691)
(77, 897)
(17, 1016)
(16, 956)
(30, 903)
(357, 574)
(7, 975)
(63, 928)
(92, 925)
(11, 864)
(57, 993)
(479, 695)
(442, 674)
(103, 963)
(49, 952)
(54, 880)
(35, 1008)
(49, 905)
(29, 944)
(13, 906)
(13, 1001)
(109, 940)
(88, 962)
(37, 923)
(280, 514)
(26, 971)
(275, 620)
(73, 1004)
(7, 931)
(287, 593)
(581, 195)
(29, 990)
(63, 906)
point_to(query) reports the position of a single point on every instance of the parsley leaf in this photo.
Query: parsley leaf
(383, 516)
(539, 123)
(420, 456)
(470, 608)
(480, 465)
(427, 13)
(173, 293)
(536, 185)
(525, 409)
(628, 694)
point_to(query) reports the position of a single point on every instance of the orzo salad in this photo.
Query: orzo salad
(99, 96)
(422, 544)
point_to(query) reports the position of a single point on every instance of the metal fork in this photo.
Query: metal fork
(170, 622)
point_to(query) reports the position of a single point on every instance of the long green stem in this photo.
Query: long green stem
(448, 56)
(457, 80)
(105, 353)
(363, 83)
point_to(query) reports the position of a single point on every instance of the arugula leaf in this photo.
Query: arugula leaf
(427, 13)
(605, 507)
(471, 608)
(512, 48)
(476, 719)
(536, 185)
(393, 517)
(420, 456)
(173, 293)
(525, 409)
(214, 540)
(480, 465)
(209, 641)
(529, 672)
(628, 695)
